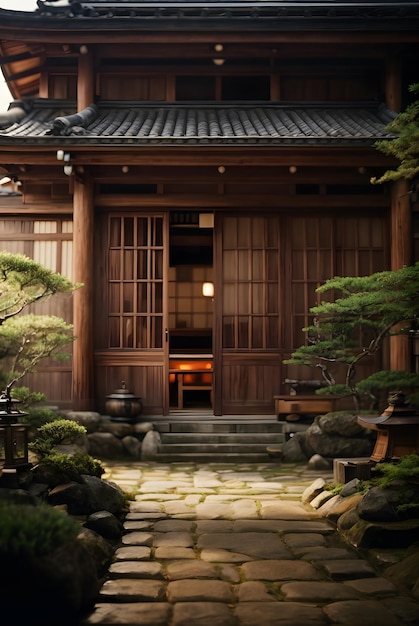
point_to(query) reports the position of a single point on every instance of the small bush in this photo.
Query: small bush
(404, 470)
(74, 464)
(38, 416)
(26, 397)
(55, 433)
(30, 531)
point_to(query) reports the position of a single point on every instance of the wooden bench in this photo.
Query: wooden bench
(304, 404)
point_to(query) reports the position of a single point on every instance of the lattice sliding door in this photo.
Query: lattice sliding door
(250, 283)
(135, 267)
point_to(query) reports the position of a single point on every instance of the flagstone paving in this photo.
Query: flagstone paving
(234, 545)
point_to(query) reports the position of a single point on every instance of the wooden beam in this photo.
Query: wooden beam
(83, 313)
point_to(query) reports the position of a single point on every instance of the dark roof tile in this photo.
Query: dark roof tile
(120, 122)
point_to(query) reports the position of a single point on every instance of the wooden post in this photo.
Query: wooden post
(83, 318)
(401, 255)
(393, 83)
(86, 79)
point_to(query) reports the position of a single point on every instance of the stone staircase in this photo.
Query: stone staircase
(205, 438)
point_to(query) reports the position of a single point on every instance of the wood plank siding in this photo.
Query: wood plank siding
(237, 148)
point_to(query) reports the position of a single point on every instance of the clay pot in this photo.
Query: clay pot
(122, 405)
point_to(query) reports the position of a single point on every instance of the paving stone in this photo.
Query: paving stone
(229, 572)
(279, 509)
(211, 510)
(270, 614)
(261, 545)
(133, 553)
(139, 538)
(203, 481)
(218, 555)
(306, 540)
(253, 591)
(266, 487)
(347, 569)
(405, 608)
(202, 614)
(175, 539)
(319, 592)
(167, 552)
(193, 499)
(177, 508)
(158, 496)
(137, 524)
(244, 508)
(367, 613)
(280, 570)
(163, 486)
(135, 569)
(324, 553)
(378, 587)
(173, 525)
(190, 569)
(189, 590)
(214, 526)
(109, 614)
(122, 589)
(146, 506)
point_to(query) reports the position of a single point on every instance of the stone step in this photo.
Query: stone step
(219, 438)
(215, 448)
(220, 457)
(218, 426)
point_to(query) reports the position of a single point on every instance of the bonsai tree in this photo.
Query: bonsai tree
(26, 339)
(352, 326)
(404, 146)
(23, 281)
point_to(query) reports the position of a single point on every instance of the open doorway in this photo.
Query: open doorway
(190, 311)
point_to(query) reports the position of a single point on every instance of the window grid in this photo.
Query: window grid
(135, 266)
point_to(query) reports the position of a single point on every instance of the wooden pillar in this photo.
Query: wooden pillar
(85, 79)
(83, 317)
(393, 83)
(401, 255)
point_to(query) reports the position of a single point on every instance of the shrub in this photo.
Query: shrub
(74, 464)
(31, 531)
(39, 416)
(404, 470)
(55, 433)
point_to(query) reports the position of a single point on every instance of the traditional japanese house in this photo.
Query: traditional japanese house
(164, 145)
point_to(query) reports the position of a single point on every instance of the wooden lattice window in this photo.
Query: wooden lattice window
(323, 247)
(250, 283)
(135, 269)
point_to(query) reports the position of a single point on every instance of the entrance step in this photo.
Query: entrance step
(218, 440)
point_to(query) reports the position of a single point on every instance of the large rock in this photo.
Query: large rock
(89, 419)
(342, 424)
(331, 445)
(150, 446)
(50, 589)
(91, 495)
(105, 446)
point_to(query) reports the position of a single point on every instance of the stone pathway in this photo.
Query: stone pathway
(233, 545)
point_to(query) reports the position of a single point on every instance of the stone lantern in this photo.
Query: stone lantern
(397, 429)
(13, 436)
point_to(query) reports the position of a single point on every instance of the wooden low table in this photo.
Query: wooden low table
(304, 404)
(192, 373)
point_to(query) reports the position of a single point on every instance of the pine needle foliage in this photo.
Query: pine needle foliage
(352, 326)
(404, 147)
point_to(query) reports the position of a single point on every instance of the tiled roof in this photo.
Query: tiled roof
(125, 123)
(310, 10)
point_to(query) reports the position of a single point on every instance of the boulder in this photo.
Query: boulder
(150, 445)
(331, 445)
(89, 419)
(132, 446)
(105, 446)
(105, 524)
